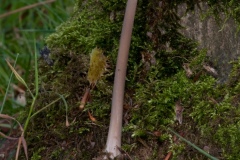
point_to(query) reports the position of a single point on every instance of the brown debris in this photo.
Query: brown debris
(91, 117)
(178, 110)
(85, 98)
(187, 69)
(210, 70)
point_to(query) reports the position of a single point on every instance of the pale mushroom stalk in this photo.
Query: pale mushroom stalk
(115, 129)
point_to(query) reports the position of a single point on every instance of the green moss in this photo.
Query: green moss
(155, 81)
(216, 113)
(98, 63)
(36, 155)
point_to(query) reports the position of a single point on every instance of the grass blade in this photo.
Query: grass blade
(66, 107)
(19, 78)
(16, 74)
(36, 67)
(193, 145)
(40, 110)
(9, 82)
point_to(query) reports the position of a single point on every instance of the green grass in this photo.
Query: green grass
(22, 36)
(193, 145)
(17, 36)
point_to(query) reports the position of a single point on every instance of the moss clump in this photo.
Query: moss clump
(97, 65)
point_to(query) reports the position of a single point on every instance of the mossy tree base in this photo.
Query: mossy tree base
(155, 81)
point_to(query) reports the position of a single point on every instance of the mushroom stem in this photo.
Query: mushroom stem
(115, 129)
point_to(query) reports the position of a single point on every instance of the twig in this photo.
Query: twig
(168, 156)
(25, 8)
(122, 151)
(84, 98)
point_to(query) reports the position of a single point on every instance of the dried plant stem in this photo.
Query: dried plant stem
(168, 156)
(84, 98)
(115, 129)
(25, 8)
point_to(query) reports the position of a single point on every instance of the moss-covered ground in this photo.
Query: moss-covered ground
(155, 82)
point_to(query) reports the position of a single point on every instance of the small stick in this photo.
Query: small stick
(85, 98)
(122, 151)
(91, 117)
(168, 156)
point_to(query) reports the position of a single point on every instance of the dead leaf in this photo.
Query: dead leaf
(213, 100)
(175, 139)
(92, 144)
(197, 76)
(20, 79)
(178, 110)
(187, 69)
(210, 69)
(206, 149)
(112, 16)
(157, 133)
